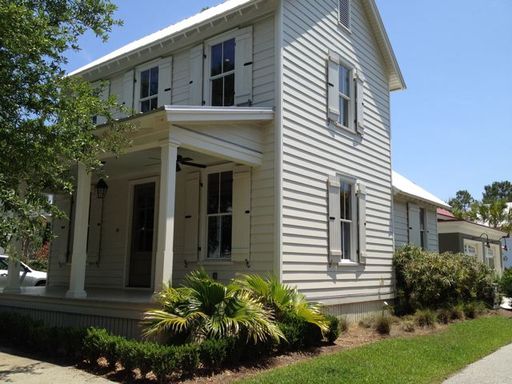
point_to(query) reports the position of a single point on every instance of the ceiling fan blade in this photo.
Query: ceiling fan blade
(193, 164)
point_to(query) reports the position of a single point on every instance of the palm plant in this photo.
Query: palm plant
(204, 308)
(282, 299)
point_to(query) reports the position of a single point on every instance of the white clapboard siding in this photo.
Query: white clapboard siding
(312, 150)
(93, 237)
(400, 226)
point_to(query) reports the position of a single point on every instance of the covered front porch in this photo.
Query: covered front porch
(194, 189)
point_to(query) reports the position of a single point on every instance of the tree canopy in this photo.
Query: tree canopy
(46, 118)
(499, 190)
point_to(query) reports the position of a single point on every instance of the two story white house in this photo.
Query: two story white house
(262, 146)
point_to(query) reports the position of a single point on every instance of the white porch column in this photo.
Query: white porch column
(13, 276)
(79, 252)
(164, 250)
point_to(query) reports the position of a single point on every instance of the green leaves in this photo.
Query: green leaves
(46, 119)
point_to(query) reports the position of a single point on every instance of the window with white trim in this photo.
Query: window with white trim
(489, 256)
(344, 13)
(148, 89)
(348, 219)
(345, 96)
(222, 73)
(219, 212)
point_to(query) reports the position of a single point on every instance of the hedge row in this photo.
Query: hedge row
(77, 345)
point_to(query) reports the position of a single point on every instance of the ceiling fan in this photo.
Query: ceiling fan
(180, 162)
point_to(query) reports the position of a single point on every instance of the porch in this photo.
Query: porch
(152, 226)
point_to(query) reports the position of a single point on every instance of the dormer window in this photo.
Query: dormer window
(344, 13)
(222, 74)
(148, 97)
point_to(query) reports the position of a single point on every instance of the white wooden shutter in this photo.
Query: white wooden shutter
(414, 224)
(333, 191)
(243, 67)
(361, 221)
(104, 93)
(192, 187)
(241, 225)
(165, 81)
(359, 103)
(116, 90)
(196, 76)
(128, 82)
(333, 87)
(60, 245)
(93, 237)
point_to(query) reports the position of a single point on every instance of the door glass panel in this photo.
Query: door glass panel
(213, 237)
(226, 236)
(154, 81)
(217, 91)
(144, 84)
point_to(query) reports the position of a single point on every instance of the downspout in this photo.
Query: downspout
(278, 145)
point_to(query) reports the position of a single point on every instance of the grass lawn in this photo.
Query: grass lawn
(421, 359)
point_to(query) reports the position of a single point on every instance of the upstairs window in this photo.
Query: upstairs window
(148, 97)
(345, 99)
(222, 74)
(344, 13)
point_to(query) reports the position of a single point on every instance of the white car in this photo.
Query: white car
(28, 277)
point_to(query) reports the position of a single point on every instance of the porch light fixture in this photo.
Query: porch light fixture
(101, 189)
(487, 242)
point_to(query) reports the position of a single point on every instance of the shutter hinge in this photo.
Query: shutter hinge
(248, 63)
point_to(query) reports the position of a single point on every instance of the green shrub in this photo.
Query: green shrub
(335, 327)
(299, 333)
(382, 324)
(425, 318)
(431, 280)
(457, 312)
(474, 309)
(214, 353)
(506, 282)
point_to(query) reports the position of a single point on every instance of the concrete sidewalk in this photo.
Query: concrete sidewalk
(18, 369)
(493, 369)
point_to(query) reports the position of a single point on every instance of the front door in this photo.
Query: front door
(143, 224)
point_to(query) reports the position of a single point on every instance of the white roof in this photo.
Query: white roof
(396, 80)
(405, 186)
(167, 32)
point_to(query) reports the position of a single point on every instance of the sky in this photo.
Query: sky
(452, 127)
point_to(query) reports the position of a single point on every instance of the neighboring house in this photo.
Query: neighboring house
(263, 146)
(470, 238)
(415, 218)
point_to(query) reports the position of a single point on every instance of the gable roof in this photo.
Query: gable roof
(396, 81)
(404, 186)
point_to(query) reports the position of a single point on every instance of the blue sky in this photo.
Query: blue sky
(452, 127)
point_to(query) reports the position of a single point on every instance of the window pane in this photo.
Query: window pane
(344, 80)
(154, 81)
(346, 201)
(154, 103)
(216, 64)
(213, 193)
(229, 55)
(226, 236)
(144, 84)
(229, 90)
(144, 106)
(214, 237)
(344, 113)
(226, 192)
(217, 91)
(345, 239)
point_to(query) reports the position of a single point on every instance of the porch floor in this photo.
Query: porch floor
(93, 294)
